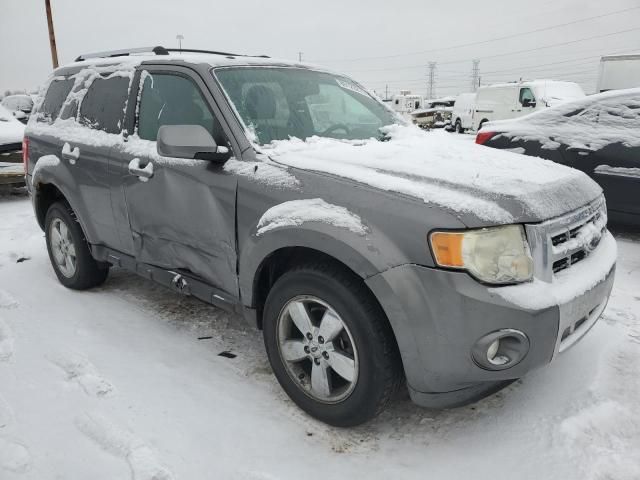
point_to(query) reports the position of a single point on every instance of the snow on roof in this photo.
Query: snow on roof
(492, 185)
(573, 123)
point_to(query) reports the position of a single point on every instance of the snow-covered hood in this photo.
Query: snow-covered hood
(494, 186)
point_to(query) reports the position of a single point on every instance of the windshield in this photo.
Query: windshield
(279, 103)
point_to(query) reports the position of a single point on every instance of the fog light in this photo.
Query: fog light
(501, 349)
(492, 354)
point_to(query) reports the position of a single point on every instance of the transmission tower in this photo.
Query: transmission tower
(475, 75)
(432, 80)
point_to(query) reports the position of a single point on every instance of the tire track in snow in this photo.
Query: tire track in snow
(6, 413)
(6, 341)
(121, 443)
(6, 300)
(82, 371)
(14, 456)
(606, 433)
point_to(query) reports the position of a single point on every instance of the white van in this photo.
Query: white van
(511, 100)
(462, 115)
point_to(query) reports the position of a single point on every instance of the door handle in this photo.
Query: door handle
(581, 150)
(69, 154)
(143, 173)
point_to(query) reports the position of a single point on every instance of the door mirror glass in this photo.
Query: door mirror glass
(189, 141)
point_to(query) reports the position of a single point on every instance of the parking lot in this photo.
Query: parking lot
(129, 377)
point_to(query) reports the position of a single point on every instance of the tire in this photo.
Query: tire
(64, 239)
(366, 339)
(458, 127)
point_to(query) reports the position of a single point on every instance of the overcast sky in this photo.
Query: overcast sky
(378, 42)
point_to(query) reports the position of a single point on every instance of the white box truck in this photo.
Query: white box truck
(618, 72)
(510, 100)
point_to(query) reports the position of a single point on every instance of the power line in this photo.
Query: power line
(503, 54)
(495, 39)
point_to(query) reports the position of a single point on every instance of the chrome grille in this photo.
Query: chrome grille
(564, 241)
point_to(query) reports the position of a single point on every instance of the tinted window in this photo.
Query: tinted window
(103, 105)
(168, 99)
(54, 98)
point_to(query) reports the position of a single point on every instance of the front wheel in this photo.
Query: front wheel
(459, 128)
(69, 252)
(330, 345)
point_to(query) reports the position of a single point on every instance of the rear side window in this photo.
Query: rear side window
(169, 99)
(54, 98)
(104, 104)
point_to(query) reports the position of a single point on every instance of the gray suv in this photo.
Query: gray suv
(371, 254)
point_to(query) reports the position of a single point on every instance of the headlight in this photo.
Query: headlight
(493, 255)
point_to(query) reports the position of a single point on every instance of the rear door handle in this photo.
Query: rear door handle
(581, 150)
(70, 154)
(143, 173)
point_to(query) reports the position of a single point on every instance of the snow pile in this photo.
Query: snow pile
(438, 169)
(591, 123)
(297, 212)
(567, 284)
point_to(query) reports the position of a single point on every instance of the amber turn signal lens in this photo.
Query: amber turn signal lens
(447, 248)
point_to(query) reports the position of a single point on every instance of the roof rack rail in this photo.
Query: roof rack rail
(213, 52)
(159, 50)
(123, 53)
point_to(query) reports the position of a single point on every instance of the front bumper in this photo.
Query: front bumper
(438, 316)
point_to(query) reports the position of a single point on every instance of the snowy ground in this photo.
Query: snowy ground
(126, 381)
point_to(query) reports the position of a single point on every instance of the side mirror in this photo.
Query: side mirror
(527, 102)
(189, 141)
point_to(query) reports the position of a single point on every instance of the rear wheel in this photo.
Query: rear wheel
(69, 252)
(330, 345)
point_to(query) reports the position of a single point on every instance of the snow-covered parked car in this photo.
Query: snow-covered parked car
(436, 114)
(11, 132)
(599, 135)
(20, 105)
(368, 251)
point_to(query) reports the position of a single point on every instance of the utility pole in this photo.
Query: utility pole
(475, 75)
(52, 35)
(300, 57)
(432, 80)
(386, 92)
(180, 37)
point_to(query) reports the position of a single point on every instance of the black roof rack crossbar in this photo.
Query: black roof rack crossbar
(123, 53)
(159, 50)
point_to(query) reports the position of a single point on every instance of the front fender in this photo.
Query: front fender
(366, 254)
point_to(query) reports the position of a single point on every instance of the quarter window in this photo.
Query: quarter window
(169, 99)
(53, 100)
(104, 104)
